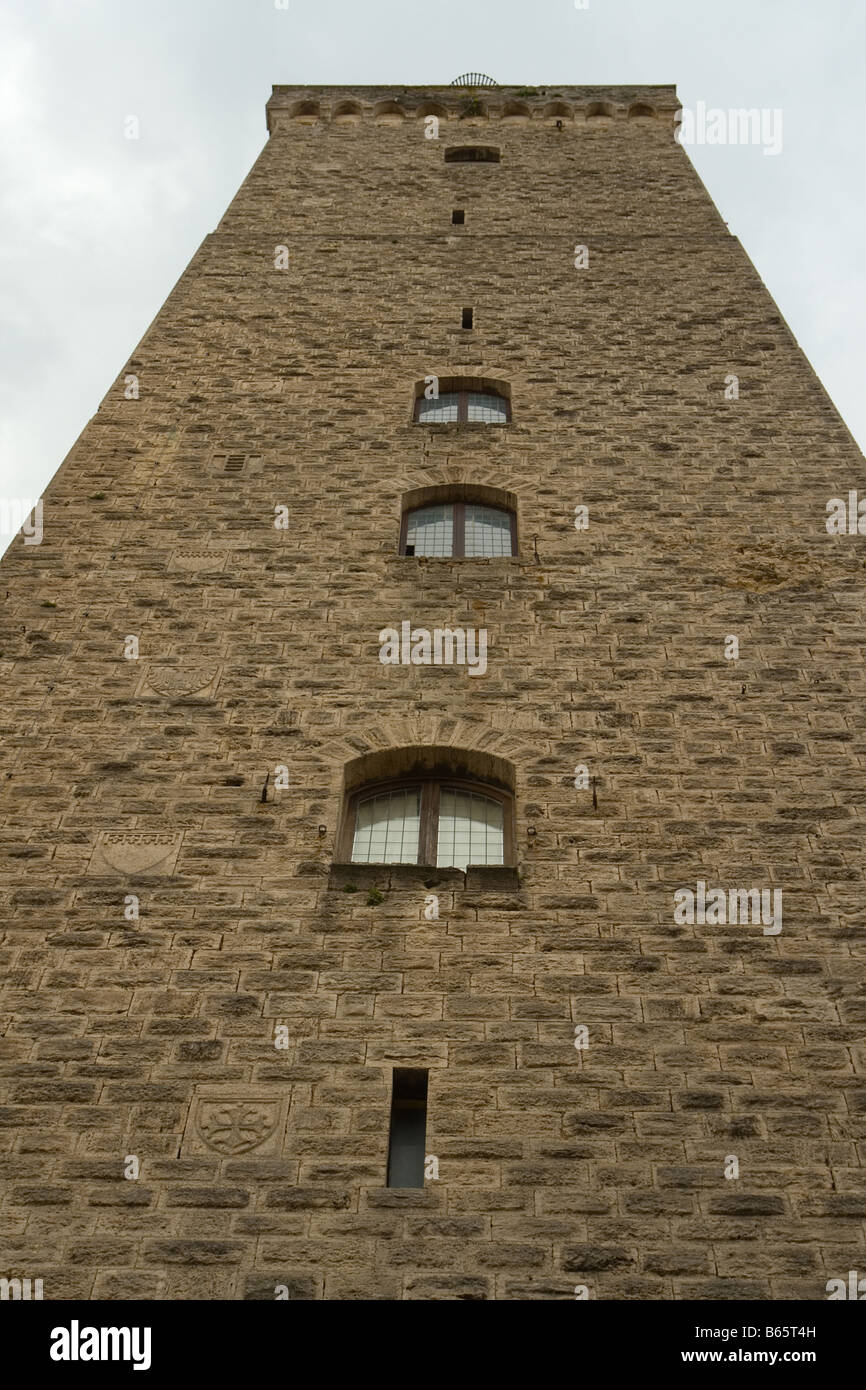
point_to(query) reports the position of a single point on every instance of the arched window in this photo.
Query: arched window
(458, 530)
(441, 822)
(460, 403)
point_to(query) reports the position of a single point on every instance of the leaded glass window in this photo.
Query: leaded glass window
(457, 530)
(386, 828)
(470, 829)
(463, 407)
(449, 824)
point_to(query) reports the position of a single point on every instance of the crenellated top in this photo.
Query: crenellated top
(393, 105)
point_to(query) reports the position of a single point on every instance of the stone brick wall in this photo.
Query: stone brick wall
(601, 1168)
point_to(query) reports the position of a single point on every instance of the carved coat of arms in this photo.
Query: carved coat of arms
(135, 852)
(179, 681)
(236, 1126)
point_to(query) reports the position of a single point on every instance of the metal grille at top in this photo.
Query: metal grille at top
(474, 79)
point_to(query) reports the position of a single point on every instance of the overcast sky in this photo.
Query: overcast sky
(96, 228)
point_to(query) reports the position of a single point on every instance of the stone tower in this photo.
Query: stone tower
(433, 755)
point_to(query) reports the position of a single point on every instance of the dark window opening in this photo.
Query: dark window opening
(467, 319)
(408, 1133)
(458, 217)
(472, 154)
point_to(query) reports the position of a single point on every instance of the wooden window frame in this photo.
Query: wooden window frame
(462, 407)
(458, 530)
(428, 828)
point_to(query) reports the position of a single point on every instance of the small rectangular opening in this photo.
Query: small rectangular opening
(408, 1133)
(458, 217)
(410, 550)
(467, 319)
(471, 154)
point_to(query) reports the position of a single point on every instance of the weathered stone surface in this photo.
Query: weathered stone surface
(174, 913)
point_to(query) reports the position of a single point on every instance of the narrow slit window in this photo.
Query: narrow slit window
(408, 1134)
(458, 217)
(467, 319)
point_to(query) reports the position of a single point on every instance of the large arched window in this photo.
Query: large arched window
(457, 530)
(459, 520)
(446, 822)
(462, 401)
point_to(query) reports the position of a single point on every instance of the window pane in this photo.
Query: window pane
(488, 531)
(471, 829)
(386, 828)
(431, 530)
(489, 409)
(444, 408)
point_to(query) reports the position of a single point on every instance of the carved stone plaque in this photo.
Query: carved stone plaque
(135, 852)
(236, 1123)
(178, 682)
(198, 559)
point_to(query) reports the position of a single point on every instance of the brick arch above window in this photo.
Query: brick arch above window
(503, 476)
(434, 759)
(483, 493)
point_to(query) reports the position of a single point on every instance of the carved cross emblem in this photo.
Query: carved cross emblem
(234, 1127)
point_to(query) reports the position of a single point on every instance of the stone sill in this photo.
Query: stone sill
(492, 878)
(456, 425)
(462, 559)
